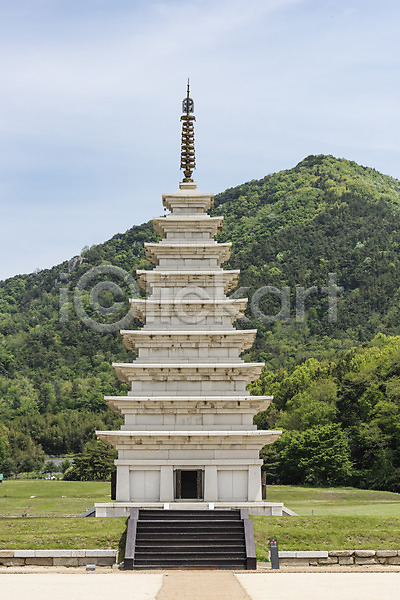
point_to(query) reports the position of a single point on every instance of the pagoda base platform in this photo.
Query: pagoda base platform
(122, 509)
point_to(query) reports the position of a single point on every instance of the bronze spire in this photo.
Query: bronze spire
(188, 161)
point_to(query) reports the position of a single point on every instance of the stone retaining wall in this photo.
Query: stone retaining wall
(103, 558)
(314, 558)
(57, 558)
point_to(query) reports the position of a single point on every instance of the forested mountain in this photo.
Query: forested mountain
(290, 230)
(341, 418)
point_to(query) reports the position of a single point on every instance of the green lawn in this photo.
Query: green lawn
(52, 520)
(61, 532)
(326, 502)
(343, 518)
(326, 533)
(50, 498)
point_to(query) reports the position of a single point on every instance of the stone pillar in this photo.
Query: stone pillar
(123, 487)
(167, 484)
(210, 483)
(254, 484)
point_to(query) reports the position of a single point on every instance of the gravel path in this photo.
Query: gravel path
(201, 585)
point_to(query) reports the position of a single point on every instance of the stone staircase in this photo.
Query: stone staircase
(158, 539)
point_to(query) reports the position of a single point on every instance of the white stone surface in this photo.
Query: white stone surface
(188, 407)
(24, 553)
(121, 509)
(232, 485)
(123, 483)
(187, 341)
(199, 226)
(178, 282)
(90, 586)
(166, 483)
(176, 255)
(184, 310)
(144, 485)
(315, 586)
(311, 554)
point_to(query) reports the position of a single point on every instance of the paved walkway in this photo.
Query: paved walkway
(322, 586)
(200, 585)
(85, 586)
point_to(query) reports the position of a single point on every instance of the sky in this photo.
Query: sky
(91, 92)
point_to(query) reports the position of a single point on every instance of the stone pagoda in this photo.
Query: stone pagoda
(188, 436)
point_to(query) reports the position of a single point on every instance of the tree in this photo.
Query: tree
(317, 456)
(50, 467)
(95, 463)
(65, 464)
(315, 406)
(3, 442)
(25, 455)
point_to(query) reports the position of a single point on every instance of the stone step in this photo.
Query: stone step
(187, 549)
(188, 543)
(187, 537)
(189, 528)
(189, 515)
(194, 551)
(191, 563)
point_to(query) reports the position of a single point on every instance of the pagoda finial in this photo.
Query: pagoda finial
(188, 161)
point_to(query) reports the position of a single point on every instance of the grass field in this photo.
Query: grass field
(62, 500)
(343, 518)
(60, 532)
(329, 502)
(50, 498)
(326, 533)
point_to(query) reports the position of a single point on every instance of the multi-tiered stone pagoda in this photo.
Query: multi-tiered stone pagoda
(188, 435)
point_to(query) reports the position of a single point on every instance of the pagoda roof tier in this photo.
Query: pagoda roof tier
(184, 404)
(188, 309)
(136, 371)
(204, 440)
(145, 338)
(184, 224)
(196, 250)
(188, 198)
(182, 279)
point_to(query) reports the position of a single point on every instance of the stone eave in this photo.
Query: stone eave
(182, 404)
(144, 338)
(188, 224)
(196, 250)
(183, 278)
(222, 439)
(188, 197)
(129, 372)
(233, 307)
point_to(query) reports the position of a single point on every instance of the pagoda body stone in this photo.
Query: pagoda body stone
(188, 435)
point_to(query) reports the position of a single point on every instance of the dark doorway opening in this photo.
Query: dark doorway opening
(189, 484)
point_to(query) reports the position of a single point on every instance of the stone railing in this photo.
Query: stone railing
(57, 558)
(314, 558)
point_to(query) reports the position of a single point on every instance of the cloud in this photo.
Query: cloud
(90, 102)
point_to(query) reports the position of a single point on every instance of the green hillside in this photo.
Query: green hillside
(295, 227)
(289, 230)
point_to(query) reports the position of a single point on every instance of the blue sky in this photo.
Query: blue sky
(90, 99)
